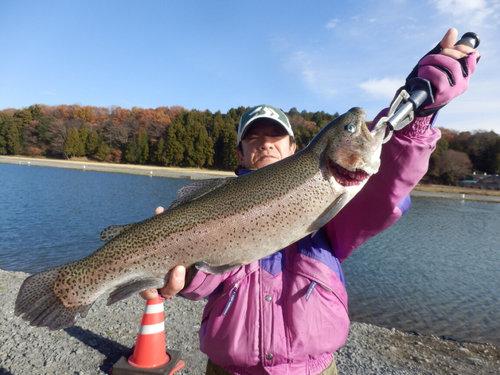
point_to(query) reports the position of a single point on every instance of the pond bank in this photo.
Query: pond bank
(98, 341)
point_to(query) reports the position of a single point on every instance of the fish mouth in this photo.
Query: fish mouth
(346, 177)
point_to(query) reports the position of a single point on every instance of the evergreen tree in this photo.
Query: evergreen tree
(84, 134)
(3, 142)
(224, 138)
(142, 147)
(217, 136)
(174, 153)
(198, 145)
(94, 141)
(35, 111)
(43, 129)
(129, 156)
(103, 151)
(157, 152)
(13, 139)
(73, 145)
(230, 160)
(15, 130)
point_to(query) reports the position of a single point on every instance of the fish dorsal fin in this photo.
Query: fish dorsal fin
(328, 214)
(114, 230)
(196, 190)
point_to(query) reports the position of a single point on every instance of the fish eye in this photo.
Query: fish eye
(351, 128)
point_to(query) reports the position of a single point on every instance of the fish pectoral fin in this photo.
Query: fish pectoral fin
(328, 214)
(217, 270)
(131, 287)
(197, 189)
(113, 231)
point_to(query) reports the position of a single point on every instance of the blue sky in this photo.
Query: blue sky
(315, 55)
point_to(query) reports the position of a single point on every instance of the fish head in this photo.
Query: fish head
(350, 153)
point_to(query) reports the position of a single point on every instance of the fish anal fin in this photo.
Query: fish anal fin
(131, 287)
(113, 231)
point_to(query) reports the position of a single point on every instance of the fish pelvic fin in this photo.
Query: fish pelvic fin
(114, 230)
(217, 270)
(196, 190)
(328, 214)
(37, 303)
(131, 287)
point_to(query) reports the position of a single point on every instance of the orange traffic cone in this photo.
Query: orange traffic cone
(149, 355)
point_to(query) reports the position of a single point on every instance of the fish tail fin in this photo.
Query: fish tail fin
(37, 303)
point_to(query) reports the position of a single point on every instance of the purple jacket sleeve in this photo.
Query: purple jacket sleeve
(384, 199)
(204, 284)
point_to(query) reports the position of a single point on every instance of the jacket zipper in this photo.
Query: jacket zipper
(231, 299)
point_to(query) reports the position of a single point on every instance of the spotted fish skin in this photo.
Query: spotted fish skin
(217, 226)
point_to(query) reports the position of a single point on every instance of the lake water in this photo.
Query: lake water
(435, 271)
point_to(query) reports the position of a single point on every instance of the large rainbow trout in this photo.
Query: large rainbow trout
(215, 225)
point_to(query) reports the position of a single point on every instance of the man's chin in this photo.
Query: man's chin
(264, 161)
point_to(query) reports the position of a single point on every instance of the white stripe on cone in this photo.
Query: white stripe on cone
(152, 328)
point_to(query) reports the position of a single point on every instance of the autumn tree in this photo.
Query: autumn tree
(442, 145)
(116, 135)
(57, 133)
(453, 166)
(84, 113)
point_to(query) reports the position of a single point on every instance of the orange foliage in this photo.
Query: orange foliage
(448, 135)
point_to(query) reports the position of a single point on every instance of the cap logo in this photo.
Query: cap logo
(269, 112)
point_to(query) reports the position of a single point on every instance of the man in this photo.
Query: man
(287, 313)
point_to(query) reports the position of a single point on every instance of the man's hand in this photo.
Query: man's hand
(173, 285)
(448, 68)
(450, 49)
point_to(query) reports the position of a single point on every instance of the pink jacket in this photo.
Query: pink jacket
(287, 313)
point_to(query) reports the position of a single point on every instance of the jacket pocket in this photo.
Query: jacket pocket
(317, 318)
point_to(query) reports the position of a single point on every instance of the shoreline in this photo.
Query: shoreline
(421, 190)
(147, 170)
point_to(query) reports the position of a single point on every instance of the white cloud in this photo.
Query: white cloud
(316, 76)
(382, 88)
(332, 23)
(476, 12)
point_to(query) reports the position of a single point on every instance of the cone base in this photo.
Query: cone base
(122, 367)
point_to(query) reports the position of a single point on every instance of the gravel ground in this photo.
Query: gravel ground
(95, 343)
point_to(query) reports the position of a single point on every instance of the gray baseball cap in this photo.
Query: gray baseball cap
(260, 112)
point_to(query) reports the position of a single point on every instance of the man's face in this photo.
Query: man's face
(265, 143)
